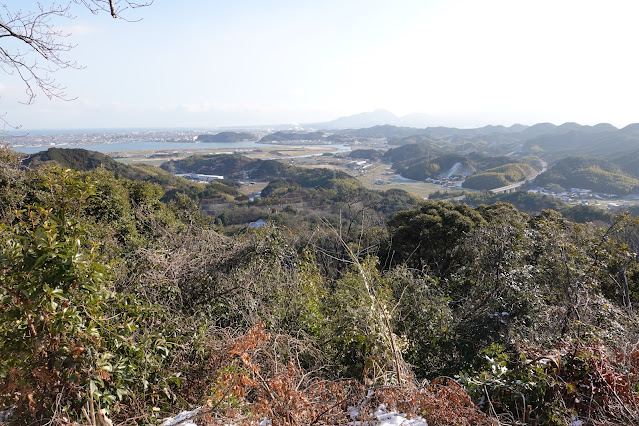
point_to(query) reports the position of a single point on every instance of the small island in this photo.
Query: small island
(227, 137)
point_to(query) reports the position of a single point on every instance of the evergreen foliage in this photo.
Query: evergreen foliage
(114, 298)
(227, 137)
(596, 175)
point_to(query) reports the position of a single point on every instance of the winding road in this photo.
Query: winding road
(514, 186)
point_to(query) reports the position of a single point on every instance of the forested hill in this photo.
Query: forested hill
(84, 160)
(300, 136)
(239, 167)
(514, 133)
(77, 159)
(422, 161)
(227, 137)
(596, 141)
(594, 174)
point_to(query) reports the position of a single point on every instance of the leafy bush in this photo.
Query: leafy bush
(66, 337)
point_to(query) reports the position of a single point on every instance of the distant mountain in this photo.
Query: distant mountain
(396, 132)
(357, 121)
(383, 131)
(377, 118)
(548, 129)
(537, 130)
(604, 127)
(439, 131)
(383, 117)
(589, 141)
(631, 128)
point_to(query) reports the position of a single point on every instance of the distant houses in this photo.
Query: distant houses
(583, 197)
(359, 165)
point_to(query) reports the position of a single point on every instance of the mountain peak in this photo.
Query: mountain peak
(363, 119)
(379, 117)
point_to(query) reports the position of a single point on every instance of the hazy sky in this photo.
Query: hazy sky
(226, 63)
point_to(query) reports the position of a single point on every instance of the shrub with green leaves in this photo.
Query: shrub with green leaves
(53, 295)
(65, 335)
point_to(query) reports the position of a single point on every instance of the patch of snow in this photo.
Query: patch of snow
(182, 419)
(353, 412)
(386, 418)
(575, 421)
(5, 415)
(382, 415)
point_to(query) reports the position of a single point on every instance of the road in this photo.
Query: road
(512, 187)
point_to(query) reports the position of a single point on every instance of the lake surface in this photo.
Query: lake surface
(159, 146)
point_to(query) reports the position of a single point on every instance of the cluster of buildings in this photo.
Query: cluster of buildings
(36, 139)
(447, 182)
(580, 196)
(359, 165)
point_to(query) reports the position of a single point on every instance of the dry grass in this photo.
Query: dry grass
(251, 380)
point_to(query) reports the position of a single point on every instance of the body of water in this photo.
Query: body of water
(139, 146)
(158, 146)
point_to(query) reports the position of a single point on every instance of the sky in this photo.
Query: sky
(208, 64)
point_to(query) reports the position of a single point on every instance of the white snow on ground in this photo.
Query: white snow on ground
(385, 418)
(382, 415)
(5, 415)
(575, 421)
(182, 419)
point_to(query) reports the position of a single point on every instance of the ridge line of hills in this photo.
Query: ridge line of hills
(551, 138)
(416, 120)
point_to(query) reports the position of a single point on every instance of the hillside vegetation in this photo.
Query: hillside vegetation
(597, 175)
(114, 297)
(304, 136)
(84, 160)
(238, 167)
(297, 196)
(421, 161)
(596, 141)
(499, 176)
(227, 137)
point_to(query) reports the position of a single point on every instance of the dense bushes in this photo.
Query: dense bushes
(66, 337)
(113, 299)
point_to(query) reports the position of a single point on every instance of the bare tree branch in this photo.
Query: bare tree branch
(114, 7)
(33, 47)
